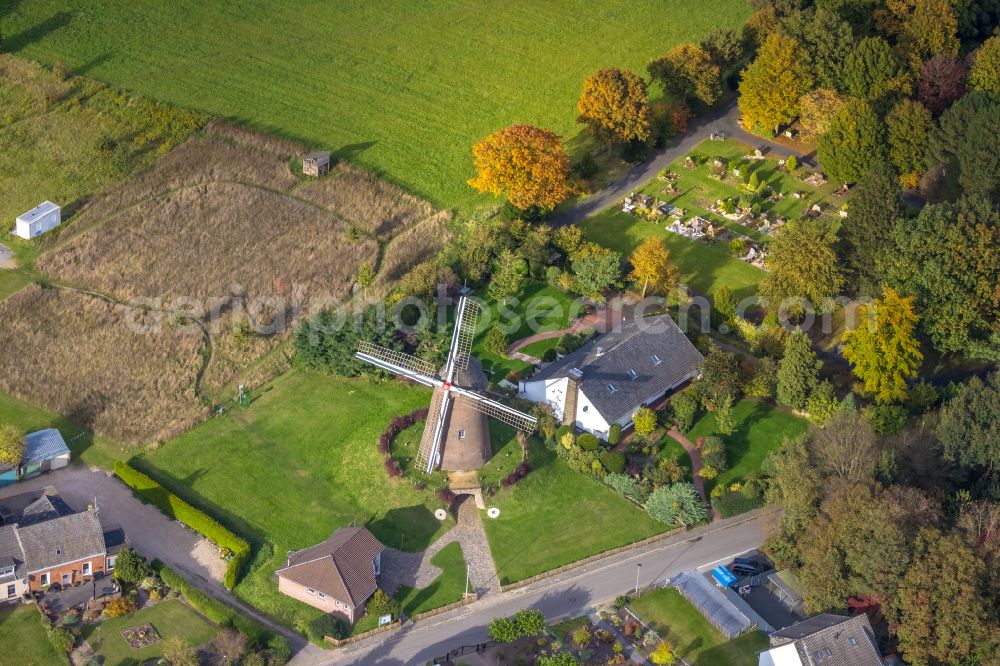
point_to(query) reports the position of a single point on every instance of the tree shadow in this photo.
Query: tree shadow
(96, 61)
(410, 528)
(350, 151)
(17, 42)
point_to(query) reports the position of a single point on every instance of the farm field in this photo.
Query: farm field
(555, 516)
(405, 92)
(760, 429)
(170, 618)
(124, 382)
(311, 451)
(701, 644)
(21, 626)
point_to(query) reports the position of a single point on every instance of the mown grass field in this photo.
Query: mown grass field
(760, 429)
(555, 516)
(299, 462)
(695, 639)
(170, 618)
(403, 89)
(23, 639)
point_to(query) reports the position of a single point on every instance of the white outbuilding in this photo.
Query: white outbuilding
(46, 216)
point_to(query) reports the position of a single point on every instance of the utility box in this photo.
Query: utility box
(46, 216)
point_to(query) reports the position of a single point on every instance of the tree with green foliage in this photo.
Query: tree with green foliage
(724, 416)
(872, 72)
(853, 144)
(802, 268)
(614, 106)
(713, 453)
(652, 268)
(687, 72)
(496, 340)
(11, 445)
(558, 659)
(720, 377)
(773, 83)
(817, 109)
(948, 259)
(794, 482)
(882, 348)
(871, 216)
(329, 625)
(764, 380)
(969, 424)
(822, 403)
(826, 41)
(684, 408)
(944, 616)
(365, 276)
(724, 301)
(509, 272)
(927, 28)
(676, 504)
(328, 340)
(644, 421)
(529, 621)
(130, 567)
(909, 126)
(595, 269)
(724, 47)
(503, 630)
(985, 73)
(965, 142)
(798, 371)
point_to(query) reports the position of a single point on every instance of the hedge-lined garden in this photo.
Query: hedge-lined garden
(172, 505)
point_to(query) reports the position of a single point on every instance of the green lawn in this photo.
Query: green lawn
(300, 462)
(760, 429)
(21, 626)
(566, 628)
(403, 89)
(87, 447)
(445, 589)
(701, 644)
(171, 618)
(556, 516)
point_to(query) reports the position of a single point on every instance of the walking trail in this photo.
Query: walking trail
(695, 454)
(599, 320)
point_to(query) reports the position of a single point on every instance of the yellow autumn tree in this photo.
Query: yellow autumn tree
(882, 348)
(770, 87)
(11, 445)
(524, 163)
(615, 106)
(652, 268)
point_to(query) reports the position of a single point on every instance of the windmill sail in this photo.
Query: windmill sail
(397, 362)
(465, 332)
(498, 410)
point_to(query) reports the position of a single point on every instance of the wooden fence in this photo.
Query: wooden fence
(398, 623)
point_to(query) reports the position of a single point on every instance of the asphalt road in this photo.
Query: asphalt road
(568, 594)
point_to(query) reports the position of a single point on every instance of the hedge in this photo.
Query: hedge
(613, 461)
(587, 442)
(733, 504)
(198, 520)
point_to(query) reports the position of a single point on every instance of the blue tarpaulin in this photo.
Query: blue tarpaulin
(723, 576)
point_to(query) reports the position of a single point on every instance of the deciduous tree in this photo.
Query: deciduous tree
(927, 28)
(724, 46)
(794, 482)
(11, 445)
(873, 72)
(817, 109)
(941, 83)
(826, 40)
(773, 83)
(985, 73)
(969, 424)
(909, 126)
(854, 142)
(525, 164)
(802, 268)
(652, 268)
(688, 72)
(882, 348)
(873, 211)
(509, 272)
(614, 106)
(846, 447)
(720, 377)
(595, 269)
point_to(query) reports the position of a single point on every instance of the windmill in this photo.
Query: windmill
(450, 400)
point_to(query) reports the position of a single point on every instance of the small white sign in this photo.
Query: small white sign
(384, 620)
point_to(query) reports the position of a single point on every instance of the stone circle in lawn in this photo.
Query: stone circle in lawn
(141, 636)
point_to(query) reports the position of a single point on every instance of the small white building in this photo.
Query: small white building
(46, 216)
(608, 379)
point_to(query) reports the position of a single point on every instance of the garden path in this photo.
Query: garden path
(600, 320)
(695, 453)
(415, 569)
(630, 653)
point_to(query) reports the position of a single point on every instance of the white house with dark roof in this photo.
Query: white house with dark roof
(609, 378)
(824, 640)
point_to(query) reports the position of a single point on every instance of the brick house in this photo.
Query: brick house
(337, 576)
(45, 544)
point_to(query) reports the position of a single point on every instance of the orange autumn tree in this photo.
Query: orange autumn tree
(615, 106)
(651, 267)
(526, 164)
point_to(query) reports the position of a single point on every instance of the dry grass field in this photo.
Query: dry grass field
(80, 356)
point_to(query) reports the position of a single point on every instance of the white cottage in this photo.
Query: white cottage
(46, 216)
(608, 379)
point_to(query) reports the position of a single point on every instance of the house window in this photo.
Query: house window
(611, 388)
(86, 568)
(461, 434)
(11, 591)
(322, 596)
(44, 579)
(632, 374)
(310, 590)
(6, 571)
(377, 564)
(853, 641)
(586, 408)
(655, 359)
(111, 563)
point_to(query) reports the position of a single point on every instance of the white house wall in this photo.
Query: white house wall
(588, 418)
(549, 391)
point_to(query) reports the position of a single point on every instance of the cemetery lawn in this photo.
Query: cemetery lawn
(21, 626)
(694, 637)
(760, 429)
(556, 516)
(301, 461)
(171, 618)
(405, 92)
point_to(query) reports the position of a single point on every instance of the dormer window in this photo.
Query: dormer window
(611, 388)
(6, 571)
(655, 359)
(632, 373)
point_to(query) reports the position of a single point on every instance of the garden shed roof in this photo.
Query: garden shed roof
(43, 445)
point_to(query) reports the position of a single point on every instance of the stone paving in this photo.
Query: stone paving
(415, 569)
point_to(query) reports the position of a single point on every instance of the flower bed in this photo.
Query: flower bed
(141, 636)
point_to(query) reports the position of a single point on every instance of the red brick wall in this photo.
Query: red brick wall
(74, 570)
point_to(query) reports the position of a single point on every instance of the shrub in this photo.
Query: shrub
(885, 419)
(178, 509)
(582, 636)
(587, 442)
(624, 485)
(130, 567)
(119, 606)
(445, 496)
(644, 421)
(684, 408)
(529, 621)
(279, 651)
(326, 625)
(253, 659)
(734, 503)
(503, 630)
(676, 504)
(663, 654)
(614, 434)
(708, 472)
(382, 604)
(62, 639)
(392, 468)
(567, 440)
(713, 453)
(613, 462)
(604, 635)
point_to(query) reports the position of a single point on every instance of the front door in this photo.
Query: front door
(65, 580)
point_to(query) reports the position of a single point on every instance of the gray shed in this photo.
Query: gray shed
(316, 163)
(44, 450)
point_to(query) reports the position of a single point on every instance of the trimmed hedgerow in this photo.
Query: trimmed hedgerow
(172, 505)
(613, 462)
(614, 434)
